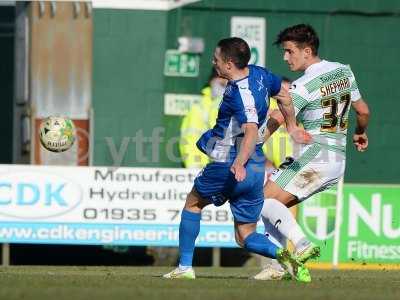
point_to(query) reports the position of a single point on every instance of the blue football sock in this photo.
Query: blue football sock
(189, 229)
(260, 244)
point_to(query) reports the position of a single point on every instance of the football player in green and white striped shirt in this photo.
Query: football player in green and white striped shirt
(322, 98)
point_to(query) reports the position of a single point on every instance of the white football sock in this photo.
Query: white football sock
(274, 234)
(281, 217)
(278, 239)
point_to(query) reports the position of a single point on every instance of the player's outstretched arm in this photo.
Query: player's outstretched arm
(275, 120)
(360, 138)
(285, 104)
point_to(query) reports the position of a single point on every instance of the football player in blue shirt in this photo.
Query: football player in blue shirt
(236, 171)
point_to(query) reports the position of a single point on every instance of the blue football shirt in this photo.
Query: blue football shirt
(244, 101)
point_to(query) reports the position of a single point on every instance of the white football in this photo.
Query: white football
(57, 134)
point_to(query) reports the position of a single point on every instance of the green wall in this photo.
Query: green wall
(128, 86)
(361, 33)
(361, 40)
(309, 6)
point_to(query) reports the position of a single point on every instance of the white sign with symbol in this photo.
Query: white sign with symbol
(253, 31)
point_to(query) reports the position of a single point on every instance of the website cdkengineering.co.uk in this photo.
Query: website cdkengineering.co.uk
(122, 234)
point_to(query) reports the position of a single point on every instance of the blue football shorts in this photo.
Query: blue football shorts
(217, 184)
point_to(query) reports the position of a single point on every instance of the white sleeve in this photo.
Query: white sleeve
(354, 92)
(299, 97)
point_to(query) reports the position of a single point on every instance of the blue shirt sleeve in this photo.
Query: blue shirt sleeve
(273, 82)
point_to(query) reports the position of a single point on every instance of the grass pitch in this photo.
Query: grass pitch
(96, 283)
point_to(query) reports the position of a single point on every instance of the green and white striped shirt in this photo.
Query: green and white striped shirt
(322, 98)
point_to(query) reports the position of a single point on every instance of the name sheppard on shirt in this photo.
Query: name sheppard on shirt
(334, 87)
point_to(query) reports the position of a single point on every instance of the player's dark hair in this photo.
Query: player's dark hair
(236, 50)
(302, 34)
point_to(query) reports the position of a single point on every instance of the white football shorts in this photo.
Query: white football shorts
(317, 168)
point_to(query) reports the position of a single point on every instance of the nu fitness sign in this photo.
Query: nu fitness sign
(370, 228)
